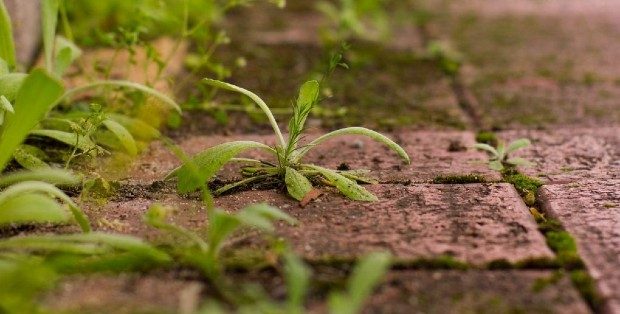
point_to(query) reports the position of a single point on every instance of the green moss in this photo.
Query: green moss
(459, 179)
(441, 262)
(544, 282)
(586, 286)
(487, 137)
(565, 248)
(524, 184)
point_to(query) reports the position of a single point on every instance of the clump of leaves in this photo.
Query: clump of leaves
(288, 153)
(499, 158)
(204, 253)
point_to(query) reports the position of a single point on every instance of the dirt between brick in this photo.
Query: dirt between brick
(432, 154)
(590, 211)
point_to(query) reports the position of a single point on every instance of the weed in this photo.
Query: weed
(287, 152)
(499, 158)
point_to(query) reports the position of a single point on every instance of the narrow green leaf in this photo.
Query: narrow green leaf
(297, 184)
(32, 208)
(209, 162)
(125, 84)
(5, 105)
(487, 147)
(357, 131)
(7, 44)
(261, 216)
(4, 67)
(30, 107)
(49, 15)
(365, 277)
(297, 276)
(51, 176)
(138, 128)
(518, 144)
(348, 187)
(123, 135)
(72, 139)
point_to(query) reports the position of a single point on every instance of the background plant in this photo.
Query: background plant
(499, 158)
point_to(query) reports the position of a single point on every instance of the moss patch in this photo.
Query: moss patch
(586, 286)
(487, 137)
(524, 184)
(459, 179)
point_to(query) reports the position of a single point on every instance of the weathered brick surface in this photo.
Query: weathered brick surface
(125, 293)
(476, 223)
(475, 292)
(590, 211)
(432, 154)
(567, 155)
(539, 65)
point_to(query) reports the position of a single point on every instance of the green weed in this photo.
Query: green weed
(288, 154)
(499, 158)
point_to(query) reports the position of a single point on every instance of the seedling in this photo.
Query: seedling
(499, 158)
(288, 153)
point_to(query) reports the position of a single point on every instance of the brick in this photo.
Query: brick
(590, 211)
(476, 223)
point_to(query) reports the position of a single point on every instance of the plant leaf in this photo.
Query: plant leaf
(28, 160)
(496, 165)
(66, 53)
(348, 187)
(138, 128)
(517, 161)
(7, 44)
(357, 131)
(261, 216)
(49, 15)
(32, 208)
(297, 185)
(365, 277)
(518, 144)
(30, 107)
(10, 84)
(209, 162)
(486, 147)
(297, 276)
(123, 135)
(72, 139)
(49, 175)
(221, 225)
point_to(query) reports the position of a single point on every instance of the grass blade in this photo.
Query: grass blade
(72, 139)
(31, 208)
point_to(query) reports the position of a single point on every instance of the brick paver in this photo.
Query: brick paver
(476, 223)
(590, 211)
